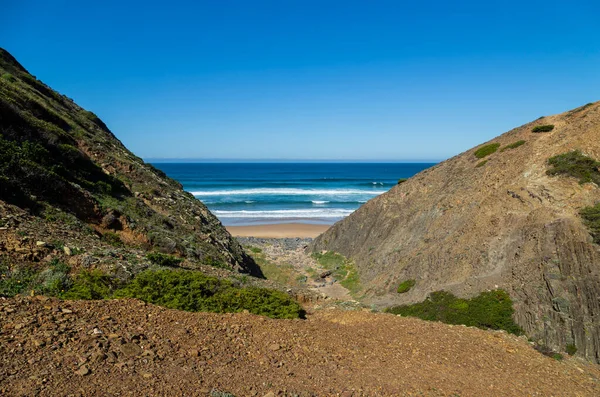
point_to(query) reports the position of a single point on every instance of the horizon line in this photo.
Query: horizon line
(194, 160)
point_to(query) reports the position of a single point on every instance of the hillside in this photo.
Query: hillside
(492, 217)
(67, 181)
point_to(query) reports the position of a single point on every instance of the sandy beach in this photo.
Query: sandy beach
(278, 230)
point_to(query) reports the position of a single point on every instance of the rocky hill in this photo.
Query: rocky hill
(67, 181)
(497, 216)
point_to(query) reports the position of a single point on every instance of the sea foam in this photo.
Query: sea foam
(286, 191)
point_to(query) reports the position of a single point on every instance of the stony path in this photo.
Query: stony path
(125, 347)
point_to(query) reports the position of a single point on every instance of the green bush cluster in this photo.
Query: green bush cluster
(481, 163)
(543, 128)
(513, 145)
(160, 259)
(91, 285)
(486, 150)
(571, 349)
(491, 309)
(576, 165)
(405, 286)
(113, 239)
(591, 217)
(54, 280)
(193, 291)
(15, 279)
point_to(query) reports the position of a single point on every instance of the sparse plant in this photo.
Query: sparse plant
(543, 128)
(405, 286)
(571, 349)
(513, 145)
(91, 285)
(481, 163)
(402, 180)
(486, 150)
(591, 217)
(113, 239)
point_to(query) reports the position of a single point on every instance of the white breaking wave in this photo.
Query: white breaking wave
(286, 191)
(249, 201)
(311, 213)
(319, 202)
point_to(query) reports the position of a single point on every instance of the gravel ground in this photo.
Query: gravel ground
(50, 347)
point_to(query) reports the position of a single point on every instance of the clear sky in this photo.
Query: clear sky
(367, 80)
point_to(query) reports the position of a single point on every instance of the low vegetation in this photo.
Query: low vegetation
(513, 145)
(175, 289)
(488, 310)
(486, 150)
(342, 269)
(281, 273)
(591, 217)
(402, 180)
(481, 163)
(405, 286)
(543, 128)
(576, 165)
(160, 259)
(194, 291)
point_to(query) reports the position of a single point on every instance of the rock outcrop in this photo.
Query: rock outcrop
(58, 160)
(470, 224)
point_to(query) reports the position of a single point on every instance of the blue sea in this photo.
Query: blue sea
(265, 193)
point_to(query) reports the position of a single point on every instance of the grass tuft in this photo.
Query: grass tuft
(513, 145)
(486, 150)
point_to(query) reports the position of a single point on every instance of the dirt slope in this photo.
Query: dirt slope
(107, 348)
(506, 223)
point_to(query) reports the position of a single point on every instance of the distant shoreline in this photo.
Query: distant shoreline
(280, 230)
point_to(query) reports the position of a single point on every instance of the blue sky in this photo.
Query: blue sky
(341, 80)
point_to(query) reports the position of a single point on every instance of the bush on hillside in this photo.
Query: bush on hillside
(491, 309)
(486, 150)
(193, 291)
(160, 259)
(513, 145)
(543, 128)
(405, 286)
(591, 217)
(90, 285)
(576, 165)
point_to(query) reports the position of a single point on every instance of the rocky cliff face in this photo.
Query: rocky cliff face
(467, 225)
(60, 163)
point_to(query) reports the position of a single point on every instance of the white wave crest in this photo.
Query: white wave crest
(286, 191)
(310, 213)
(319, 202)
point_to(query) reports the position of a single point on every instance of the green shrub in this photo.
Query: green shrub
(160, 259)
(543, 128)
(513, 145)
(255, 250)
(9, 77)
(576, 165)
(486, 150)
(15, 279)
(54, 280)
(481, 163)
(402, 180)
(112, 239)
(405, 286)
(591, 217)
(571, 349)
(215, 263)
(329, 260)
(91, 285)
(193, 291)
(491, 309)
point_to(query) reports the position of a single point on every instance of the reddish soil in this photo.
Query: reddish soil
(125, 347)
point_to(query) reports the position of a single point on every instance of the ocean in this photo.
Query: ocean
(266, 193)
